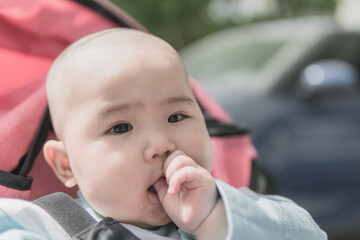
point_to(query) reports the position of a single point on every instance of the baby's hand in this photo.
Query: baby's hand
(189, 194)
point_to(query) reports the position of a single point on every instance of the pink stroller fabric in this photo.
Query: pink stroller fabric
(232, 155)
(32, 34)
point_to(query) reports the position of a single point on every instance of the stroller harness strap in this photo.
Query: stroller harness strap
(66, 211)
(80, 225)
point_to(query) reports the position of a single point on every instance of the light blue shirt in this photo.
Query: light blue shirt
(249, 216)
(252, 216)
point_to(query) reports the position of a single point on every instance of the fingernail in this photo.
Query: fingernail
(170, 190)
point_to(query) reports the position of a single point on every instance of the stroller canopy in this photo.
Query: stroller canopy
(32, 34)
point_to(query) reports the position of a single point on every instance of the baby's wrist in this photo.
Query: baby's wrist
(215, 225)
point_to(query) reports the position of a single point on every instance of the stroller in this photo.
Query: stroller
(32, 34)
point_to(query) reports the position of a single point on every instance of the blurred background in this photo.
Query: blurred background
(183, 22)
(289, 70)
(286, 69)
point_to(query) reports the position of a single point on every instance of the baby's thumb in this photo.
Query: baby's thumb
(161, 188)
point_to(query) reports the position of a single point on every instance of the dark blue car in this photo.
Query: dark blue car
(296, 85)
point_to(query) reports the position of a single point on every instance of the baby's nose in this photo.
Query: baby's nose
(162, 156)
(159, 148)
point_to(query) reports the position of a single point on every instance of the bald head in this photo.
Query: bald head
(99, 56)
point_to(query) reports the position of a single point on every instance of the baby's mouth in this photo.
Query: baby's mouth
(151, 189)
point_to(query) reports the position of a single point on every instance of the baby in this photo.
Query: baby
(131, 134)
(132, 137)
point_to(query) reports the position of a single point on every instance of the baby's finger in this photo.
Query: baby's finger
(170, 158)
(161, 188)
(175, 164)
(187, 175)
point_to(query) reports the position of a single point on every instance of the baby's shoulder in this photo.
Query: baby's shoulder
(26, 219)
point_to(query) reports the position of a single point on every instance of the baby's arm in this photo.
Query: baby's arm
(20, 219)
(190, 198)
(254, 216)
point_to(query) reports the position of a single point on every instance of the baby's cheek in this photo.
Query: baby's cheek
(206, 150)
(208, 162)
(105, 201)
(205, 156)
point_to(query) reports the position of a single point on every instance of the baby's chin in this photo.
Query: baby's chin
(154, 228)
(156, 224)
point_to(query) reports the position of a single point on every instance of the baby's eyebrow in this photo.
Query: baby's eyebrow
(179, 99)
(111, 109)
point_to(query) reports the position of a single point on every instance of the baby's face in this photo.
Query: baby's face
(125, 123)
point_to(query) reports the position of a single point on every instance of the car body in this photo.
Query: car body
(295, 83)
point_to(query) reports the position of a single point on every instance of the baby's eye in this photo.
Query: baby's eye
(176, 118)
(121, 128)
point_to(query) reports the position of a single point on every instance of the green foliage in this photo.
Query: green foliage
(180, 22)
(292, 8)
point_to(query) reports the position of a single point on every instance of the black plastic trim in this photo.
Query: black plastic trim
(16, 182)
(95, 6)
(36, 144)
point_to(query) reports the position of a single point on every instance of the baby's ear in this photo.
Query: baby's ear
(56, 156)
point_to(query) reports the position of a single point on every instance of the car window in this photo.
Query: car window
(234, 61)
